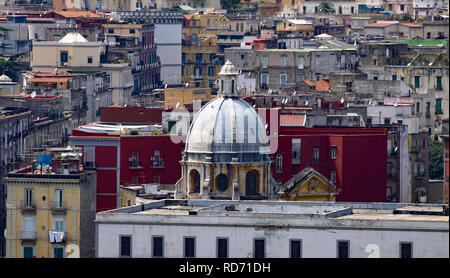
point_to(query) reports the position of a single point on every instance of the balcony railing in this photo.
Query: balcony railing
(27, 235)
(56, 236)
(156, 162)
(58, 207)
(28, 206)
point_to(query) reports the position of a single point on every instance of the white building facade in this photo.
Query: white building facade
(271, 229)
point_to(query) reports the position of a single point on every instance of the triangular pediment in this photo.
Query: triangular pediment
(308, 182)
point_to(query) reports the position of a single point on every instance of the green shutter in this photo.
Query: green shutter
(438, 82)
(58, 252)
(438, 105)
(416, 81)
(28, 252)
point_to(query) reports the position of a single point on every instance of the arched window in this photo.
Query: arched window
(194, 180)
(222, 182)
(251, 183)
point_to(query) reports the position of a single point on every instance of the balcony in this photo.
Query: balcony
(56, 236)
(58, 207)
(27, 206)
(27, 235)
(156, 162)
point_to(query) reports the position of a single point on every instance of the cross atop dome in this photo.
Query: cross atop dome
(228, 80)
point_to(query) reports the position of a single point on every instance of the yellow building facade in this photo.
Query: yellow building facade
(296, 26)
(184, 96)
(50, 215)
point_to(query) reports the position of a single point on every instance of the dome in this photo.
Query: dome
(5, 78)
(227, 128)
(228, 69)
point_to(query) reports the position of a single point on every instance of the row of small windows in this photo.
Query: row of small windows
(296, 145)
(259, 247)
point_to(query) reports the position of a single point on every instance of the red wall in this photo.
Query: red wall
(360, 162)
(170, 153)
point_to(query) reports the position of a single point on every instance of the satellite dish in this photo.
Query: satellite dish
(306, 103)
(165, 87)
(295, 93)
(249, 73)
(370, 101)
(176, 106)
(187, 84)
(342, 100)
(33, 94)
(266, 126)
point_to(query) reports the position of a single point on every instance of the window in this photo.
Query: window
(211, 83)
(394, 77)
(222, 182)
(417, 107)
(125, 246)
(264, 62)
(343, 249)
(183, 58)
(59, 198)
(89, 157)
(29, 197)
(279, 163)
(264, 79)
(134, 159)
(89, 60)
(284, 60)
(158, 249)
(189, 247)
(300, 77)
(438, 106)
(295, 248)
(405, 250)
(58, 252)
(387, 121)
(111, 30)
(132, 31)
(301, 61)
(222, 247)
(333, 176)
(29, 226)
(296, 147)
(211, 71)
(402, 78)
(59, 223)
(198, 57)
(316, 155)
(259, 248)
(64, 57)
(27, 251)
(416, 81)
(197, 84)
(333, 152)
(438, 82)
(283, 79)
(197, 72)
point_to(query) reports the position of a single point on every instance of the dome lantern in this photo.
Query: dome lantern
(228, 80)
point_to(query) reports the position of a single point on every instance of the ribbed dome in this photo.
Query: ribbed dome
(226, 128)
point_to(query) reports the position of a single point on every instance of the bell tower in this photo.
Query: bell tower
(228, 80)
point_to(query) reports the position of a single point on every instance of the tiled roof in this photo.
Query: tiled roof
(292, 120)
(322, 85)
(78, 14)
(381, 24)
(50, 79)
(411, 25)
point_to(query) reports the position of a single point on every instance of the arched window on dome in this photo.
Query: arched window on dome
(222, 182)
(251, 182)
(194, 181)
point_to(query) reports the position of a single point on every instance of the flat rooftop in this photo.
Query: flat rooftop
(290, 209)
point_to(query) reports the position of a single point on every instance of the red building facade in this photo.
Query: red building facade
(354, 158)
